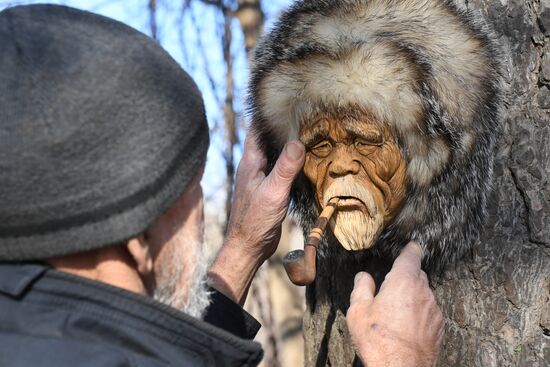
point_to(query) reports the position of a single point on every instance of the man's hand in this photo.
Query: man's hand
(402, 325)
(260, 204)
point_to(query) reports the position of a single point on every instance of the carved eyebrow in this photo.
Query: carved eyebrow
(314, 137)
(368, 135)
(311, 136)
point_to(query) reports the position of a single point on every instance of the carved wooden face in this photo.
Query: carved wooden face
(358, 161)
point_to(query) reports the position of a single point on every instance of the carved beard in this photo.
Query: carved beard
(355, 229)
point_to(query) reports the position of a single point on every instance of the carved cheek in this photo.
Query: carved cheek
(387, 161)
(374, 182)
(391, 168)
(310, 169)
(398, 186)
(377, 167)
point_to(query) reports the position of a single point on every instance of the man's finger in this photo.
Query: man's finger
(286, 168)
(253, 159)
(252, 151)
(409, 260)
(363, 289)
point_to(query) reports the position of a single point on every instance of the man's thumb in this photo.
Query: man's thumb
(287, 167)
(363, 289)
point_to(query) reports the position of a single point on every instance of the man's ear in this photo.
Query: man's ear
(140, 252)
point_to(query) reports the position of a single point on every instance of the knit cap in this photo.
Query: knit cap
(100, 132)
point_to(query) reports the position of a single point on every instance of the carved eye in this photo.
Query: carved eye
(322, 149)
(365, 145)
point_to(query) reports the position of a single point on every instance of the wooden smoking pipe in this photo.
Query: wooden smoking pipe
(300, 265)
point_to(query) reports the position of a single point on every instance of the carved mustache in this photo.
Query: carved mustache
(348, 186)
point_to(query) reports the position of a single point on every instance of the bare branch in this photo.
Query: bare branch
(229, 112)
(217, 3)
(153, 18)
(200, 47)
(181, 26)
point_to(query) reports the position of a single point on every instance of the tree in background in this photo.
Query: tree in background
(251, 19)
(497, 301)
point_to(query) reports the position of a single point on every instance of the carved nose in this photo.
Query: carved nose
(343, 165)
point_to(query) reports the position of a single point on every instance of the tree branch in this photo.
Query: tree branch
(153, 18)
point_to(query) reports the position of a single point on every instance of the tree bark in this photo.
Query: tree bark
(497, 300)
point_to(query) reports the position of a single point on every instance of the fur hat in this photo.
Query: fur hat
(100, 132)
(427, 70)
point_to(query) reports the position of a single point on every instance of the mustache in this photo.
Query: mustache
(348, 186)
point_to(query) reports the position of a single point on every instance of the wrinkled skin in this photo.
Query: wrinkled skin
(359, 161)
(402, 326)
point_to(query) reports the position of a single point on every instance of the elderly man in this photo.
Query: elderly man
(103, 142)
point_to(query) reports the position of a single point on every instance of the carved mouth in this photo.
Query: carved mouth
(352, 195)
(350, 203)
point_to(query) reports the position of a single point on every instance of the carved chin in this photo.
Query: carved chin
(355, 230)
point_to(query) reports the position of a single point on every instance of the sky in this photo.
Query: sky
(200, 29)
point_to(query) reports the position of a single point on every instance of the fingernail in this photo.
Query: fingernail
(358, 277)
(294, 150)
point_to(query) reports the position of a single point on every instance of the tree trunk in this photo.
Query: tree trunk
(497, 300)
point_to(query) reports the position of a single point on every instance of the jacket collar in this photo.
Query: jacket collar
(40, 283)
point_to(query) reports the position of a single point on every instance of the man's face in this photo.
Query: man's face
(358, 161)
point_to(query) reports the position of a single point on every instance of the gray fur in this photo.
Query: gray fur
(452, 76)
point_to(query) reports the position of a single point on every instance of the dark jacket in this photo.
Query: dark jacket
(50, 318)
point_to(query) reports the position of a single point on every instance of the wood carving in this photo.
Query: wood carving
(398, 103)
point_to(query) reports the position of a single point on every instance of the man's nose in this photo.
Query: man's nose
(343, 164)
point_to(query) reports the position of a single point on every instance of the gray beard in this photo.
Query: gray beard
(172, 293)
